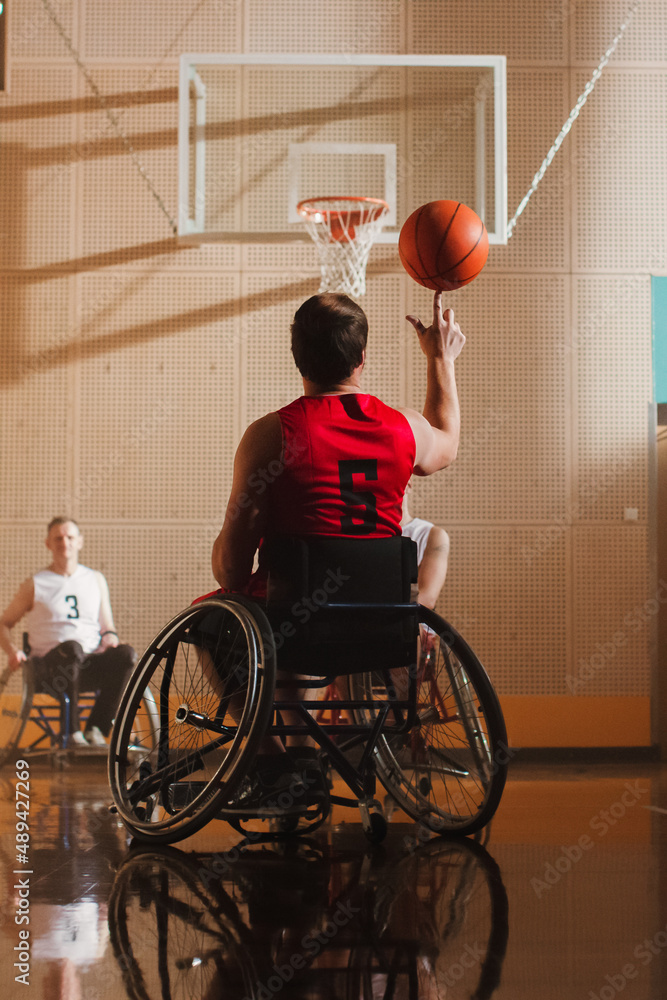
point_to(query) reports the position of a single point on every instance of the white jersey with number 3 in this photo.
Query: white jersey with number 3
(65, 607)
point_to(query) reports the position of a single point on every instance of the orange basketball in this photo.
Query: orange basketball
(443, 245)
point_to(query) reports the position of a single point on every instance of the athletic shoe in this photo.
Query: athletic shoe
(77, 739)
(95, 737)
(279, 786)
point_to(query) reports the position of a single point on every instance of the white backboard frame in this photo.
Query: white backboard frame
(192, 228)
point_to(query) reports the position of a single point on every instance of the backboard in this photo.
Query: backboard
(258, 133)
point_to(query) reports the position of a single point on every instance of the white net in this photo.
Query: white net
(343, 230)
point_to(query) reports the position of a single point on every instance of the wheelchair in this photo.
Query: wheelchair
(423, 717)
(37, 723)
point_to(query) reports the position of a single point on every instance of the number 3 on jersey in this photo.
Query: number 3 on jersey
(73, 606)
(354, 498)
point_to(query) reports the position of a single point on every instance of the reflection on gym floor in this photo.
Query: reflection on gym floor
(349, 923)
(565, 899)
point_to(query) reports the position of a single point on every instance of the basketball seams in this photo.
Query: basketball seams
(424, 269)
(443, 241)
(465, 257)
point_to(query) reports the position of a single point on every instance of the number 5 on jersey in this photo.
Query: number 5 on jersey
(363, 501)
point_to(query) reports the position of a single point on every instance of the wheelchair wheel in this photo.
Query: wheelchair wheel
(448, 772)
(15, 700)
(175, 933)
(211, 674)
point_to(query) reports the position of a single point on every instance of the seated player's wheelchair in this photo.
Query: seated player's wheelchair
(424, 717)
(35, 721)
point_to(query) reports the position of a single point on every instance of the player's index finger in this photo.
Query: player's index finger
(437, 307)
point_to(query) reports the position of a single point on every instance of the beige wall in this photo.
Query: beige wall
(130, 365)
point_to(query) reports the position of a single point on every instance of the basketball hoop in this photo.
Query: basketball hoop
(343, 230)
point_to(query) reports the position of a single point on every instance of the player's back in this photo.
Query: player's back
(346, 460)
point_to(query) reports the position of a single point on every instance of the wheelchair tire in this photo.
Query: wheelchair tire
(448, 772)
(175, 932)
(211, 672)
(14, 712)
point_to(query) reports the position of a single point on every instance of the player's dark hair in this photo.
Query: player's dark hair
(329, 334)
(61, 520)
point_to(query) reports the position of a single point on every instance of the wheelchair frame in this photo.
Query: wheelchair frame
(438, 746)
(51, 719)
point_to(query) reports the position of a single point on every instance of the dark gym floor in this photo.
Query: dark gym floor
(565, 897)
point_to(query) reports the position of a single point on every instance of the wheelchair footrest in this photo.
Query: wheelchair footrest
(293, 786)
(278, 786)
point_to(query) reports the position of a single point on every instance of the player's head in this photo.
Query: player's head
(329, 334)
(64, 539)
(56, 522)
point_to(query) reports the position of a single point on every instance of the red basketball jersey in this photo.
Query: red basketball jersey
(345, 464)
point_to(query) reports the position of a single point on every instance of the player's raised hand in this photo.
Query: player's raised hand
(443, 339)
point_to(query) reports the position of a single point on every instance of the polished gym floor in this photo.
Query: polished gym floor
(563, 897)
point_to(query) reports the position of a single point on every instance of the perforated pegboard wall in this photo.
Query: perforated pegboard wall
(160, 32)
(512, 382)
(524, 32)
(614, 612)
(621, 199)
(318, 26)
(38, 118)
(270, 377)
(31, 31)
(35, 410)
(158, 391)
(509, 603)
(118, 212)
(612, 358)
(595, 23)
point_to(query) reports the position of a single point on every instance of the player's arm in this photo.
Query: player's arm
(108, 636)
(437, 430)
(433, 567)
(247, 510)
(20, 605)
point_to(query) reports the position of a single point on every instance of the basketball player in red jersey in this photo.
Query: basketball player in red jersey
(336, 461)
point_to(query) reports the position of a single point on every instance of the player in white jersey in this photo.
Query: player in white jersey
(71, 634)
(432, 553)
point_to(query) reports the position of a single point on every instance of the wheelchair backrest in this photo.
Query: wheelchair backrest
(341, 604)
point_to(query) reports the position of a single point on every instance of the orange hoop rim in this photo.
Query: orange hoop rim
(307, 208)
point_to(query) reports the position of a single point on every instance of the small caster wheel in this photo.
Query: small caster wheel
(376, 831)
